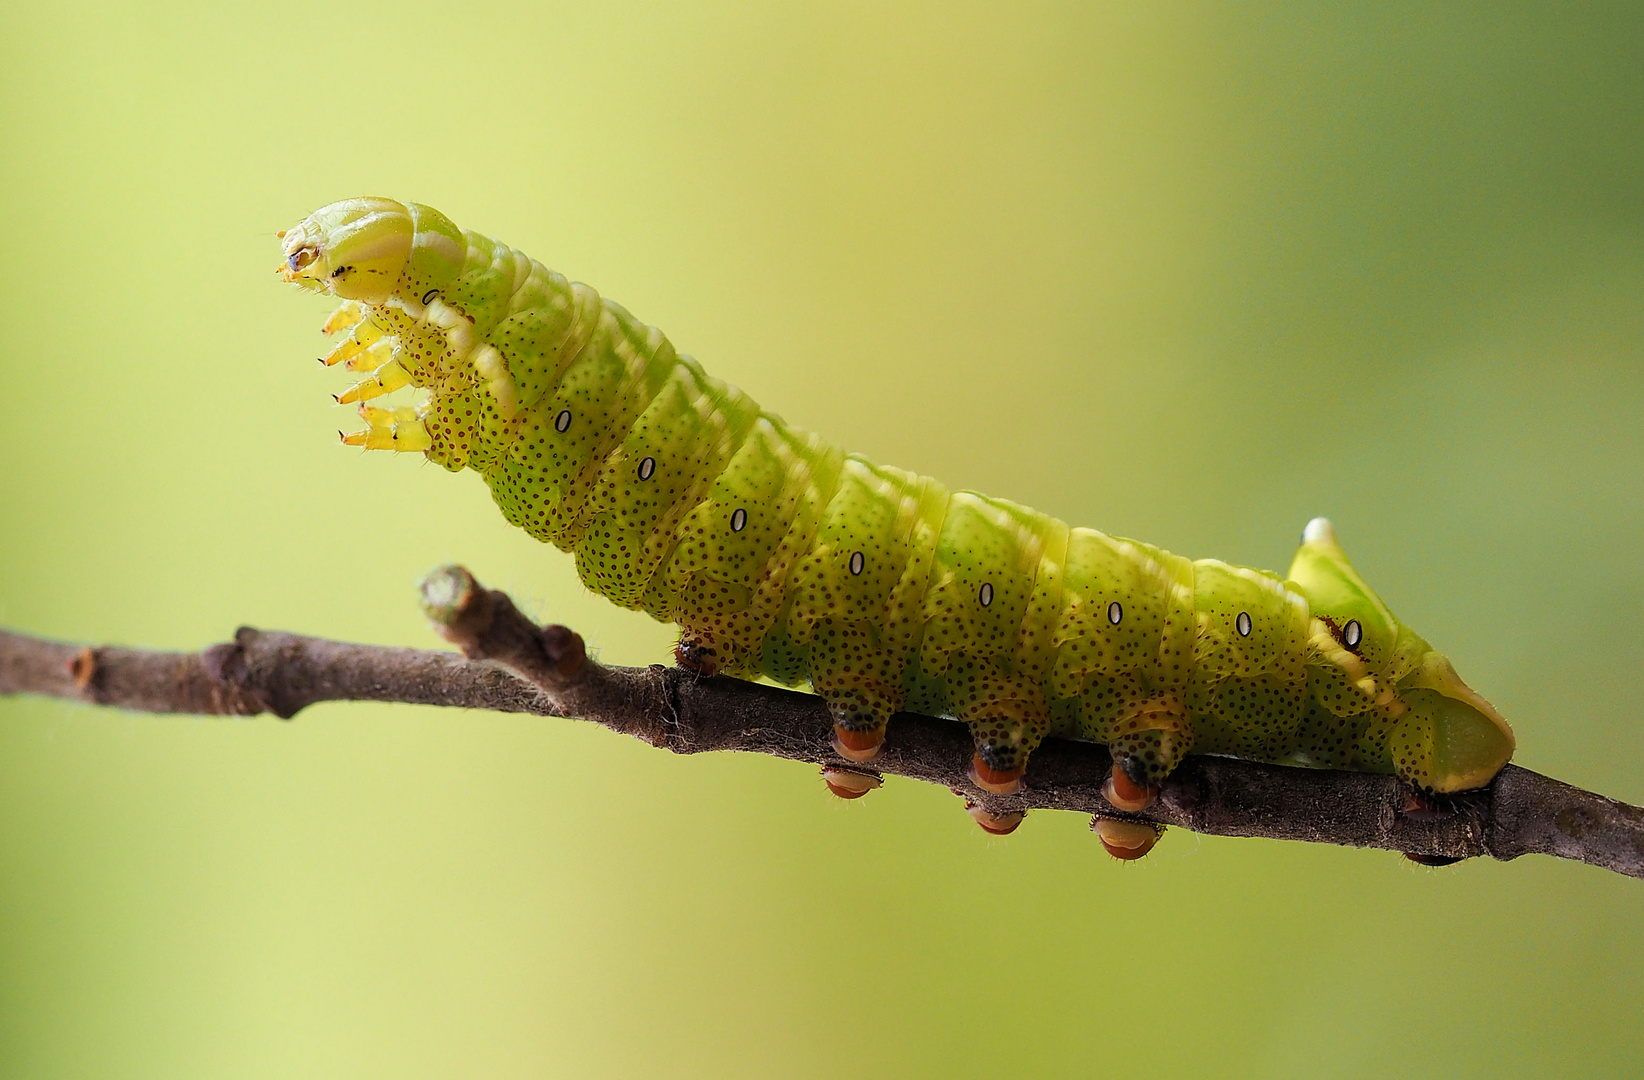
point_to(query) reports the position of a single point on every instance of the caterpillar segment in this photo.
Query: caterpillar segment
(780, 556)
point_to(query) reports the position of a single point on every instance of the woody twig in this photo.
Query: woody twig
(510, 664)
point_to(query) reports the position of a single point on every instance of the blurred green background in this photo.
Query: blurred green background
(1191, 273)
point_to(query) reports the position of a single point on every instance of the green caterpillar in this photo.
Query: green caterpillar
(779, 555)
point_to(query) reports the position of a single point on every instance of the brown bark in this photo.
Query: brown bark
(512, 665)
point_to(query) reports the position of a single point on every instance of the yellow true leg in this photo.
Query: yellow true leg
(364, 335)
(377, 354)
(390, 429)
(349, 313)
(385, 380)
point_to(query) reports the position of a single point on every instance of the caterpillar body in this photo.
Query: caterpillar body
(779, 555)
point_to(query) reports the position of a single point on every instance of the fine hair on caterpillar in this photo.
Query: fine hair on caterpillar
(779, 555)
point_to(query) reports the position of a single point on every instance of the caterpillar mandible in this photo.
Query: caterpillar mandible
(779, 555)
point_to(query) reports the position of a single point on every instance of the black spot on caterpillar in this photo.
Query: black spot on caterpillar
(779, 555)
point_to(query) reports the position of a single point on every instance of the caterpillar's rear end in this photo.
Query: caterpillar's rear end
(779, 555)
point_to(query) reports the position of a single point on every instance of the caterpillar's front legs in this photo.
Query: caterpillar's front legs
(369, 347)
(390, 429)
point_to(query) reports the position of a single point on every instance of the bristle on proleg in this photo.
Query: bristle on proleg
(385, 380)
(1126, 839)
(997, 824)
(848, 784)
(1431, 860)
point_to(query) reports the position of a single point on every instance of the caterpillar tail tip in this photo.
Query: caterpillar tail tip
(995, 781)
(1126, 840)
(1320, 531)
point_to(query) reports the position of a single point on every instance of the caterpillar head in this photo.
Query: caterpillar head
(369, 249)
(1444, 736)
